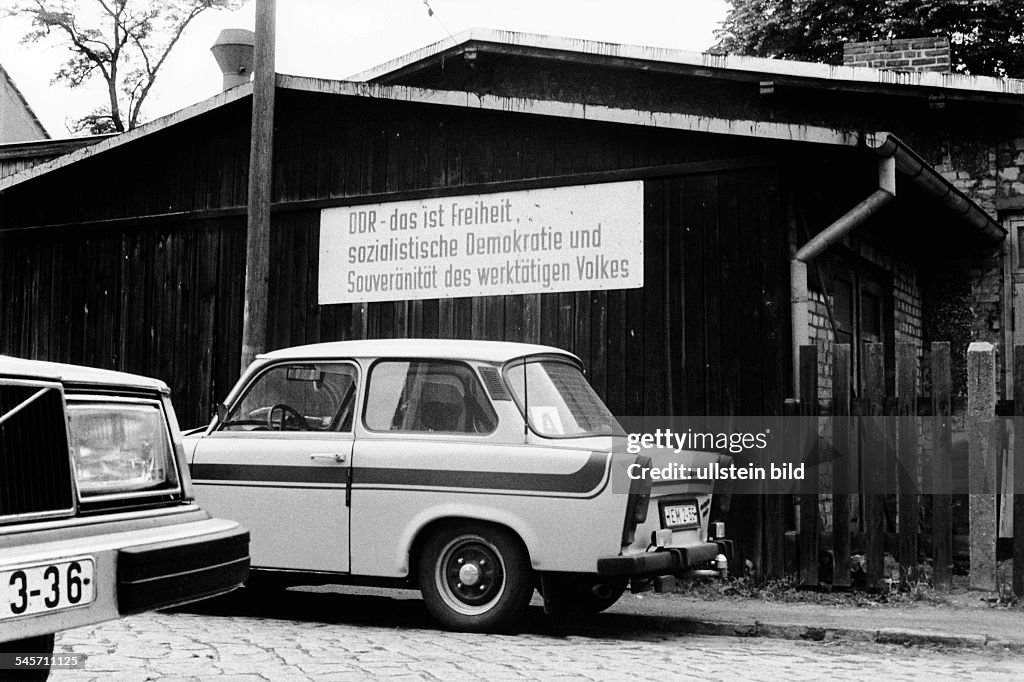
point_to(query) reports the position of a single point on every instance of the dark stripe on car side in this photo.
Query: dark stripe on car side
(269, 472)
(583, 480)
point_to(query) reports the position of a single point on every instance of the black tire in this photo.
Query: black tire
(43, 644)
(475, 577)
(582, 594)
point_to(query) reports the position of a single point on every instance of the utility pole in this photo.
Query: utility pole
(261, 147)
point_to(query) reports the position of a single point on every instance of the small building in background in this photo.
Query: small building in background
(18, 123)
(24, 142)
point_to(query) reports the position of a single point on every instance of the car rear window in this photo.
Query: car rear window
(558, 400)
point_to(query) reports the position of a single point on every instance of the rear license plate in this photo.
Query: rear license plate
(42, 588)
(681, 515)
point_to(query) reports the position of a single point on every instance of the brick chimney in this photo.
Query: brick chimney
(906, 54)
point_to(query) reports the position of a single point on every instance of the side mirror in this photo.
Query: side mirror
(222, 413)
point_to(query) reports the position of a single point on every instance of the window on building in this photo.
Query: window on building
(862, 311)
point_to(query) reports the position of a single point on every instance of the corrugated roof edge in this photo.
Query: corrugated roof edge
(704, 124)
(704, 60)
(685, 122)
(115, 141)
(18, 150)
(791, 132)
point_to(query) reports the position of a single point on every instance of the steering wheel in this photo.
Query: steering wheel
(291, 419)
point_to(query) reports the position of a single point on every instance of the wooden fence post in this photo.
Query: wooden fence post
(844, 468)
(942, 467)
(874, 462)
(809, 486)
(778, 506)
(1018, 471)
(983, 456)
(907, 502)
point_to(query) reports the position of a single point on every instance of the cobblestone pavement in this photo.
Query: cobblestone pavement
(334, 635)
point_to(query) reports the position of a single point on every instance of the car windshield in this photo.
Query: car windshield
(559, 401)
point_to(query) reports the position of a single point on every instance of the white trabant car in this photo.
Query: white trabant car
(410, 463)
(97, 517)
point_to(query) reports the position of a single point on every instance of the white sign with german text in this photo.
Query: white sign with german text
(531, 241)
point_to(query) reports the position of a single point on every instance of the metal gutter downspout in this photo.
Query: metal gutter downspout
(917, 171)
(893, 155)
(849, 221)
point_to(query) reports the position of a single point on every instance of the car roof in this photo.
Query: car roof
(19, 368)
(448, 349)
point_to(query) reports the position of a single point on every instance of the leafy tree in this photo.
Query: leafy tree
(124, 42)
(986, 35)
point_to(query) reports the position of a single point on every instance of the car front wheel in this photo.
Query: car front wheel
(475, 577)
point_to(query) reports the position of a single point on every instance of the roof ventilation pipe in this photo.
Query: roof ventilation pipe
(849, 221)
(233, 49)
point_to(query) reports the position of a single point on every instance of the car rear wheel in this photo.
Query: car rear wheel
(39, 646)
(475, 578)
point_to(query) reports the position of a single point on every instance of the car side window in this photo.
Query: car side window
(298, 397)
(424, 396)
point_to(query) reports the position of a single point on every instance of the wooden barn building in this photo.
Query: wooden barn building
(129, 253)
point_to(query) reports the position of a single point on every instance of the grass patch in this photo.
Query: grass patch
(790, 590)
(894, 592)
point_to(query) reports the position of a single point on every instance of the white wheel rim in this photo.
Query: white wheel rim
(470, 575)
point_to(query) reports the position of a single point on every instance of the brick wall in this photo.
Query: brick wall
(906, 293)
(991, 173)
(908, 54)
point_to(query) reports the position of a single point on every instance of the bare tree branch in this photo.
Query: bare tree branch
(126, 42)
(196, 11)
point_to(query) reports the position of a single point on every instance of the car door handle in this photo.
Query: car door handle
(336, 457)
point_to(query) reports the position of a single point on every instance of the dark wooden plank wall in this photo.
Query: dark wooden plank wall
(714, 349)
(165, 300)
(162, 302)
(707, 335)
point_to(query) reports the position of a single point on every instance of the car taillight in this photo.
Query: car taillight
(638, 502)
(643, 503)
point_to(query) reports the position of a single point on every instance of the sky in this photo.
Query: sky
(338, 38)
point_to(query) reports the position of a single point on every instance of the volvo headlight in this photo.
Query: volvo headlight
(121, 449)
